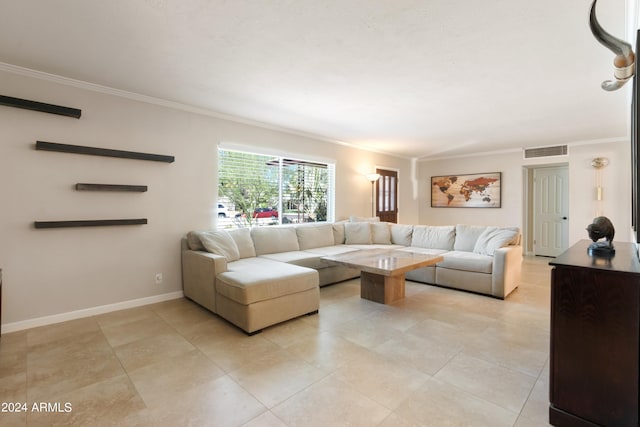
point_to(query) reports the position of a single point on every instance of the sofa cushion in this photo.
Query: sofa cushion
(273, 239)
(252, 280)
(357, 233)
(433, 237)
(494, 238)
(371, 246)
(401, 234)
(338, 232)
(422, 275)
(314, 236)
(467, 261)
(425, 251)
(380, 233)
(220, 243)
(332, 250)
(466, 236)
(301, 258)
(242, 237)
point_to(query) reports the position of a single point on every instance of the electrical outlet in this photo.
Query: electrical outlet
(158, 278)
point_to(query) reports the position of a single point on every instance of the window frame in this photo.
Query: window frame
(284, 159)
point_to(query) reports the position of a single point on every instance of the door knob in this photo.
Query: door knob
(564, 217)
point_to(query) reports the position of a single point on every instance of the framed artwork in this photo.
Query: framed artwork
(480, 190)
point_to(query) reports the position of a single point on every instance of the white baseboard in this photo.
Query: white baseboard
(87, 312)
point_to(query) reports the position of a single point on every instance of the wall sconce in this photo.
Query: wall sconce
(372, 177)
(598, 164)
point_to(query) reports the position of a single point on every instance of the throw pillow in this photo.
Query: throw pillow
(220, 243)
(357, 233)
(242, 237)
(380, 233)
(494, 238)
(193, 241)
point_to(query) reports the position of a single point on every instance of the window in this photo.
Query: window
(262, 189)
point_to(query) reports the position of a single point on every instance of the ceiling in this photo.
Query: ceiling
(413, 78)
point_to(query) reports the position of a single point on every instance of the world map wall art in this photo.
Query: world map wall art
(480, 190)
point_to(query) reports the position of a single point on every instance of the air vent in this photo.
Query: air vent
(551, 151)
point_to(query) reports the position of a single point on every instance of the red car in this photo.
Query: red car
(265, 213)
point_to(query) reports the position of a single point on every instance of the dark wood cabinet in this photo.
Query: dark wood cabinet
(595, 333)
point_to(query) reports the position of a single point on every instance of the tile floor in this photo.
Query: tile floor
(439, 358)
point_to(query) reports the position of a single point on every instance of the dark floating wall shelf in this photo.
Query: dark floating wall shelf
(110, 187)
(89, 223)
(40, 106)
(93, 151)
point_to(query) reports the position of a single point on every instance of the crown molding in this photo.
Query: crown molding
(519, 150)
(80, 84)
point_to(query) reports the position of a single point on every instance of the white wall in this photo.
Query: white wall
(47, 273)
(50, 274)
(511, 189)
(616, 183)
(583, 206)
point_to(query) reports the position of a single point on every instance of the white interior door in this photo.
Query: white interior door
(551, 210)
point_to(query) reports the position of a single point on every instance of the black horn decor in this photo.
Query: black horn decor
(624, 61)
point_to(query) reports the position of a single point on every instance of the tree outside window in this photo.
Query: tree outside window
(267, 190)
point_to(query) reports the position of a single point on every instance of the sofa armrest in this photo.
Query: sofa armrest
(507, 268)
(199, 270)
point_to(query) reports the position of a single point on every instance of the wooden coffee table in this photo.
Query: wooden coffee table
(382, 270)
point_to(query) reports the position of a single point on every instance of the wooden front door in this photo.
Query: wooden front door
(387, 195)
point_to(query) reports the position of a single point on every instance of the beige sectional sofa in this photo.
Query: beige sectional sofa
(258, 277)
